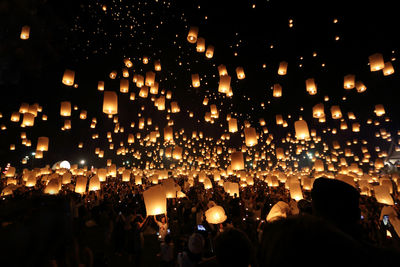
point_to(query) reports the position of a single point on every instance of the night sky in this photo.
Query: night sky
(324, 40)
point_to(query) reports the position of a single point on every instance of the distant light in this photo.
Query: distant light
(65, 165)
(33, 153)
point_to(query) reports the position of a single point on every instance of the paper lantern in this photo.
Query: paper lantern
(102, 174)
(168, 134)
(157, 65)
(126, 176)
(195, 80)
(279, 153)
(301, 129)
(175, 107)
(94, 183)
(65, 109)
(110, 103)
(210, 51)
(279, 119)
(360, 87)
(240, 73)
(237, 161)
(356, 127)
(336, 112)
(144, 92)
(15, 116)
(282, 70)
(382, 195)
(80, 186)
(139, 81)
(128, 63)
(388, 69)
(224, 84)
(277, 91)
(154, 88)
(278, 211)
(28, 120)
(150, 78)
(318, 111)
(319, 165)
(145, 60)
(295, 190)
(155, 200)
(349, 81)
(379, 110)
(376, 62)
(177, 154)
(250, 136)
(53, 187)
(43, 144)
(138, 180)
(68, 77)
(10, 172)
(124, 86)
(66, 178)
(311, 86)
(215, 215)
(192, 35)
(201, 45)
(25, 31)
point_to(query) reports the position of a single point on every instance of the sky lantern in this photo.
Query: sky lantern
(379, 110)
(301, 129)
(177, 154)
(279, 119)
(250, 135)
(349, 81)
(192, 35)
(154, 88)
(201, 45)
(144, 92)
(376, 62)
(110, 103)
(195, 80)
(240, 73)
(138, 180)
(356, 127)
(25, 31)
(125, 73)
(175, 107)
(24, 108)
(388, 69)
(168, 134)
(126, 176)
(139, 81)
(336, 112)
(83, 115)
(311, 86)
(319, 165)
(224, 84)
(210, 51)
(150, 78)
(279, 153)
(282, 70)
(65, 109)
(382, 195)
(15, 116)
(128, 63)
(53, 187)
(360, 87)
(157, 65)
(68, 77)
(222, 70)
(318, 111)
(94, 183)
(102, 174)
(155, 200)
(28, 120)
(295, 190)
(237, 161)
(80, 186)
(277, 91)
(215, 215)
(124, 85)
(113, 74)
(42, 144)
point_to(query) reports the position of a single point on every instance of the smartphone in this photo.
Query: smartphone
(385, 220)
(201, 227)
(120, 213)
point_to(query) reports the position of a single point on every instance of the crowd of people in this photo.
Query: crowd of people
(332, 225)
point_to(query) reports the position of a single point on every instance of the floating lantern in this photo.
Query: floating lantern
(124, 86)
(237, 161)
(379, 110)
(25, 31)
(277, 91)
(388, 69)
(144, 92)
(42, 144)
(349, 81)
(157, 65)
(318, 111)
(301, 129)
(201, 45)
(15, 116)
(311, 86)
(224, 84)
(233, 128)
(215, 215)
(155, 200)
(376, 62)
(65, 109)
(336, 112)
(68, 77)
(195, 80)
(110, 103)
(240, 73)
(192, 35)
(150, 78)
(80, 186)
(250, 136)
(282, 68)
(210, 51)
(94, 183)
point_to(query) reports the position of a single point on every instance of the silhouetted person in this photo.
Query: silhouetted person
(233, 249)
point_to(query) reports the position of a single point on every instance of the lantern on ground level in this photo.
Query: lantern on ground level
(215, 215)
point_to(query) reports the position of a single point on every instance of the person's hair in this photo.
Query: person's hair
(307, 240)
(233, 248)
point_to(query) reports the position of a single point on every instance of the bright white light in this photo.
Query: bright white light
(65, 165)
(82, 162)
(33, 153)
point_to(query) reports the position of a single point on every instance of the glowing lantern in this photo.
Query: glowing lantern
(10, 172)
(128, 63)
(102, 174)
(138, 180)
(80, 186)
(224, 84)
(124, 86)
(250, 136)
(157, 65)
(210, 51)
(94, 183)
(349, 81)
(336, 112)
(110, 103)
(25, 32)
(279, 153)
(279, 119)
(388, 69)
(301, 129)
(126, 176)
(201, 45)
(23, 108)
(379, 163)
(222, 70)
(168, 134)
(145, 60)
(318, 111)
(277, 91)
(195, 80)
(155, 200)
(215, 215)
(15, 116)
(376, 62)
(240, 73)
(356, 127)
(144, 92)
(65, 109)
(311, 86)
(192, 35)
(382, 195)
(319, 165)
(237, 161)
(154, 88)
(28, 120)
(53, 187)
(379, 110)
(68, 77)
(177, 154)
(113, 74)
(150, 78)
(175, 107)
(139, 81)
(66, 178)
(295, 190)
(282, 68)
(42, 144)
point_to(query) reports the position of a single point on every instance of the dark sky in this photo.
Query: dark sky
(81, 36)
